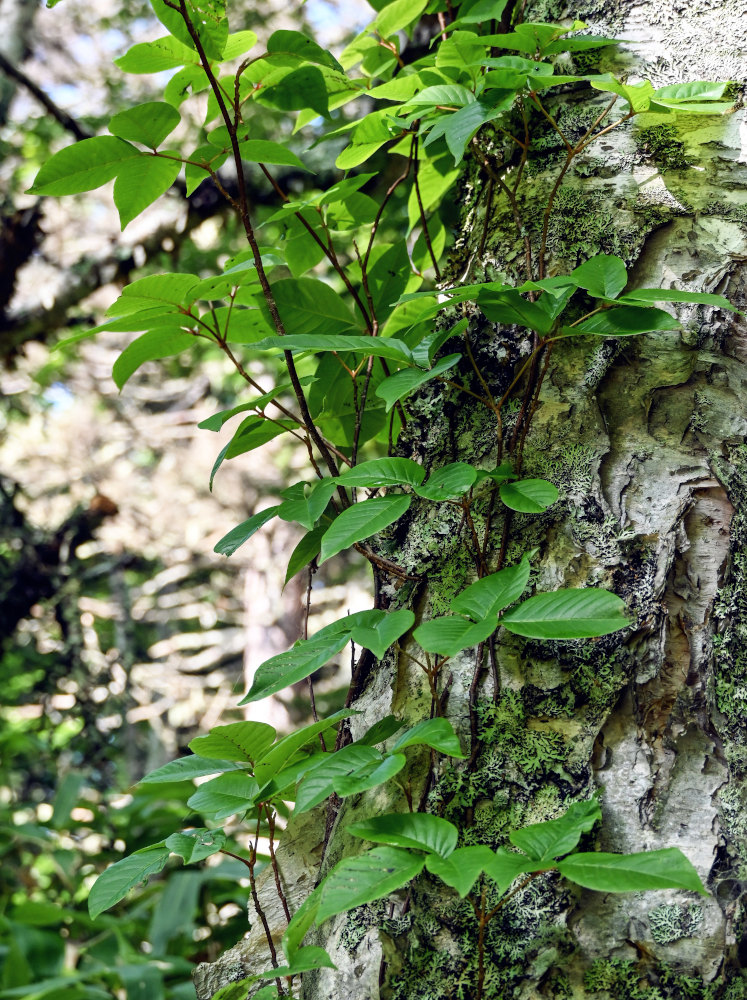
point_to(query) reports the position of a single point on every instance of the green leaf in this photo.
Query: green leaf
(304, 960)
(480, 12)
(459, 127)
(378, 638)
(402, 383)
(695, 90)
(450, 634)
(306, 503)
(140, 182)
(244, 531)
(488, 596)
(194, 174)
(677, 295)
(504, 867)
(146, 123)
(306, 550)
(567, 614)
(149, 347)
(239, 43)
(529, 496)
(308, 305)
(299, 89)
(664, 869)
(153, 57)
(298, 44)
(383, 472)
(208, 19)
(509, 307)
(398, 15)
(419, 830)
(119, 878)
(555, 837)
(378, 347)
(381, 730)
(153, 290)
(319, 782)
(436, 733)
(450, 93)
(603, 276)
(264, 151)
(224, 796)
(361, 521)
(637, 95)
(244, 741)
(255, 431)
(294, 665)
(626, 321)
(301, 923)
(462, 868)
(240, 990)
(449, 482)
(196, 845)
(372, 876)
(286, 750)
(370, 776)
(84, 166)
(186, 768)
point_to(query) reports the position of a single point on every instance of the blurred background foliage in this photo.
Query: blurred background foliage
(122, 635)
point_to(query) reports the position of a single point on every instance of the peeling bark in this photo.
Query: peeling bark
(646, 439)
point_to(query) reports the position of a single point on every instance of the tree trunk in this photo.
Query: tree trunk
(645, 438)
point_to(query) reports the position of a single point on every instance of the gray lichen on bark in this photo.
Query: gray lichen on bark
(645, 439)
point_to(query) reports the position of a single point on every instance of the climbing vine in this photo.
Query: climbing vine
(354, 348)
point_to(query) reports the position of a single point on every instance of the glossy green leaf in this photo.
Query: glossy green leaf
(244, 531)
(603, 276)
(626, 321)
(148, 123)
(319, 782)
(450, 634)
(287, 750)
(238, 44)
(638, 96)
(153, 290)
(224, 796)
(186, 768)
(114, 884)
(299, 44)
(379, 637)
(242, 741)
(695, 90)
(504, 867)
(301, 923)
(208, 19)
(379, 347)
(308, 305)
(462, 868)
(369, 776)
(305, 503)
(196, 845)
(306, 550)
(481, 11)
(650, 295)
(493, 593)
(664, 869)
(398, 15)
(255, 431)
(264, 151)
(302, 88)
(240, 990)
(153, 57)
(567, 614)
(304, 960)
(401, 384)
(383, 472)
(294, 665)
(140, 182)
(436, 733)
(418, 830)
(374, 875)
(150, 346)
(440, 94)
(361, 521)
(557, 836)
(449, 482)
(510, 307)
(529, 496)
(84, 166)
